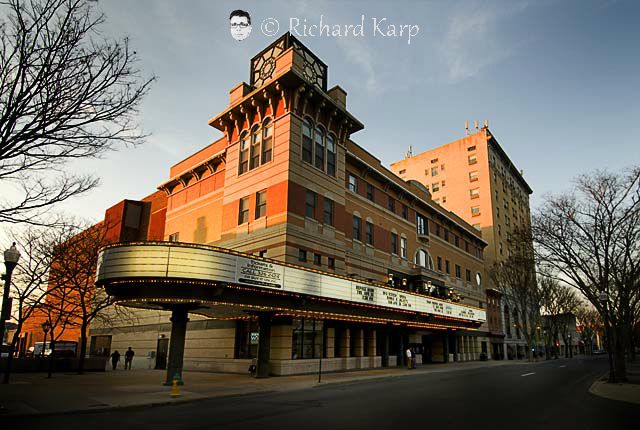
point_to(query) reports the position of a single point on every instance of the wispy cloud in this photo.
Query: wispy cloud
(472, 40)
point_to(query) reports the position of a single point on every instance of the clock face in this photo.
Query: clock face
(478, 279)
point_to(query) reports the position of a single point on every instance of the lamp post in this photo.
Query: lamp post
(45, 328)
(603, 297)
(11, 257)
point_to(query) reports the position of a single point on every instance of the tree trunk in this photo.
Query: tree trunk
(83, 348)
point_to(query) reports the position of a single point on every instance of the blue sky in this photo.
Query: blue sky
(558, 81)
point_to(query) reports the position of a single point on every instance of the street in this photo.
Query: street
(551, 394)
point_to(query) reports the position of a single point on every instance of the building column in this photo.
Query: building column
(371, 349)
(455, 347)
(179, 319)
(280, 341)
(358, 345)
(330, 347)
(385, 347)
(402, 356)
(345, 343)
(445, 347)
(264, 344)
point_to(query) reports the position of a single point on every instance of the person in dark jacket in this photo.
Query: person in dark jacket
(115, 357)
(128, 358)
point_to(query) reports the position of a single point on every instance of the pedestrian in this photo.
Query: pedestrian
(115, 357)
(409, 357)
(128, 358)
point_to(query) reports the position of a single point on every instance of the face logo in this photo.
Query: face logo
(240, 24)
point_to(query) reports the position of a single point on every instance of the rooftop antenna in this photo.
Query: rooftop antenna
(486, 123)
(409, 153)
(466, 127)
(476, 124)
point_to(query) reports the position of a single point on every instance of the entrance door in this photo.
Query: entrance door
(161, 353)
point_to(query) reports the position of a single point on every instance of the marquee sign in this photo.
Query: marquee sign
(208, 263)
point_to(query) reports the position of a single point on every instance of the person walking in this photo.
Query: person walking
(115, 358)
(409, 357)
(128, 358)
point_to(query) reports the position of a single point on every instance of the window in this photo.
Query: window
(405, 212)
(475, 210)
(243, 162)
(391, 205)
(443, 184)
(394, 243)
(456, 240)
(403, 171)
(246, 339)
(331, 262)
(434, 161)
(267, 141)
(446, 235)
(356, 227)
(353, 183)
(471, 148)
(174, 237)
(307, 142)
(473, 159)
(327, 217)
(478, 280)
(331, 155)
(421, 224)
(468, 273)
(423, 259)
(434, 171)
(317, 259)
(458, 272)
(370, 192)
(307, 339)
(435, 187)
(444, 199)
(369, 232)
(438, 230)
(261, 204)
(439, 260)
(442, 168)
(474, 193)
(302, 255)
(319, 140)
(403, 247)
(262, 253)
(243, 211)
(310, 207)
(254, 159)
(446, 267)
(473, 176)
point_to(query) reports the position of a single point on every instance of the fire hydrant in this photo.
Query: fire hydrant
(175, 386)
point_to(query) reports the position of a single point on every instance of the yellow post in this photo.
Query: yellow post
(175, 386)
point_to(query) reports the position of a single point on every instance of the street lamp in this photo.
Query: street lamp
(45, 328)
(603, 297)
(11, 257)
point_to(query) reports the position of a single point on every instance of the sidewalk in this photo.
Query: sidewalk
(34, 394)
(627, 392)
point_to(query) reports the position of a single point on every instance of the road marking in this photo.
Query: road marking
(564, 365)
(528, 374)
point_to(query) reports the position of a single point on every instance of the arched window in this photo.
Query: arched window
(331, 155)
(307, 140)
(267, 141)
(243, 162)
(319, 143)
(254, 160)
(423, 259)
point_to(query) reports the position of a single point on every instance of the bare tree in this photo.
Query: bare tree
(515, 278)
(591, 324)
(560, 304)
(589, 238)
(65, 93)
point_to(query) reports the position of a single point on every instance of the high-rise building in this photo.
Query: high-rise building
(474, 178)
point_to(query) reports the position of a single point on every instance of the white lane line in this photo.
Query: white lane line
(529, 374)
(564, 365)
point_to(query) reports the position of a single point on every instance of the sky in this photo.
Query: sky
(558, 81)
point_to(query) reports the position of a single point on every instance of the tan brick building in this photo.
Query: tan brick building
(474, 178)
(366, 263)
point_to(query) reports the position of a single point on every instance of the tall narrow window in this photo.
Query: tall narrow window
(319, 142)
(243, 211)
(261, 204)
(370, 192)
(394, 243)
(391, 205)
(310, 205)
(254, 160)
(307, 141)
(174, 237)
(369, 232)
(458, 272)
(243, 161)
(353, 183)
(328, 211)
(331, 155)
(405, 212)
(356, 227)
(421, 224)
(267, 141)
(403, 247)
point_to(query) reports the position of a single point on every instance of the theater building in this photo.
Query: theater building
(288, 245)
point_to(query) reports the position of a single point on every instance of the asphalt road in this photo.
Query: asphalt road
(550, 395)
